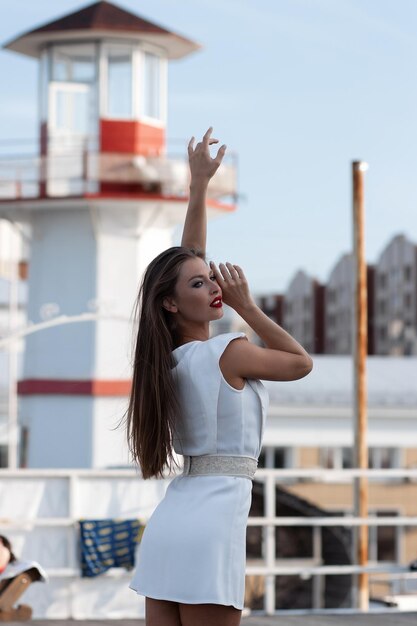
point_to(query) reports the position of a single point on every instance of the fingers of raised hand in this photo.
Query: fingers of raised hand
(220, 272)
(239, 272)
(220, 154)
(216, 272)
(228, 272)
(223, 269)
(207, 135)
(191, 146)
(232, 271)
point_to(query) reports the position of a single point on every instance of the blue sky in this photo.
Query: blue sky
(299, 89)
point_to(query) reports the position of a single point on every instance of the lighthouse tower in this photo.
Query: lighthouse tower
(101, 199)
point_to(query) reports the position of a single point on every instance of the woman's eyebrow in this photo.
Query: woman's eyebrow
(194, 277)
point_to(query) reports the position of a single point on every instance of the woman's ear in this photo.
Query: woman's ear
(170, 305)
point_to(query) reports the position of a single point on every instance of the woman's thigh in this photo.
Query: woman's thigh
(209, 615)
(162, 613)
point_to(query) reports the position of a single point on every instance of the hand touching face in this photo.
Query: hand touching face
(235, 289)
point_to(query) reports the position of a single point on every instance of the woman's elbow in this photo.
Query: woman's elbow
(305, 367)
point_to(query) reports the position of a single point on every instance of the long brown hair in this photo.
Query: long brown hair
(153, 404)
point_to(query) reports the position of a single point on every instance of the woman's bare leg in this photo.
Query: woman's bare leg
(209, 615)
(162, 613)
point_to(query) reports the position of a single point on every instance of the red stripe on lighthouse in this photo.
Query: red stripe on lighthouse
(44, 386)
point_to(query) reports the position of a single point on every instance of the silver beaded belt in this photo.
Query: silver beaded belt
(220, 465)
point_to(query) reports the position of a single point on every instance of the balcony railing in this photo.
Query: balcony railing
(39, 510)
(79, 168)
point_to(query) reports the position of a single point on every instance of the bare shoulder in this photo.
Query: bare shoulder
(243, 359)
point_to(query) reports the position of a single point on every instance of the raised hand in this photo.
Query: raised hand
(235, 289)
(202, 166)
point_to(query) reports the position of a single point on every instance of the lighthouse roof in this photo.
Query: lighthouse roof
(101, 20)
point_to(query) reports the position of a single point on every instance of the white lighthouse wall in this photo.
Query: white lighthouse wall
(116, 289)
(59, 430)
(61, 280)
(154, 241)
(121, 259)
(75, 431)
(110, 448)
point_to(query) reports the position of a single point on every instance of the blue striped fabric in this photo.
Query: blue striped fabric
(108, 543)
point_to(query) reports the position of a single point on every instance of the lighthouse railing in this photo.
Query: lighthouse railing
(75, 168)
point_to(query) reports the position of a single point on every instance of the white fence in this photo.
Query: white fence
(39, 511)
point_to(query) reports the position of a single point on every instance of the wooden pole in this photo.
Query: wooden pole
(360, 341)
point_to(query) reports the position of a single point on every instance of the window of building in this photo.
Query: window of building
(151, 86)
(382, 280)
(408, 270)
(342, 457)
(407, 300)
(382, 331)
(383, 458)
(396, 300)
(119, 83)
(3, 456)
(275, 457)
(74, 63)
(336, 457)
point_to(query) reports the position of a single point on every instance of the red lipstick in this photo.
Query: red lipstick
(217, 303)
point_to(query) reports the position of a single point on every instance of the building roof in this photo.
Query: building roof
(391, 382)
(101, 20)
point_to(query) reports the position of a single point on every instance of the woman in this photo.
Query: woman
(201, 398)
(6, 553)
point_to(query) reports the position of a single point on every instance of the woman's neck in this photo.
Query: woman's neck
(194, 333)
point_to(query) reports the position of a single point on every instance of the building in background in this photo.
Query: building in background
(304, 311)
(396, 298)
(320, 317)
(273, 306)
(339, 307)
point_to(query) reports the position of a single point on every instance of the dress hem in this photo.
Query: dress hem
(239, 607)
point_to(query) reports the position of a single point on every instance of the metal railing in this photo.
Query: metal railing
(270, 570)
(77, 491)
(76, 168)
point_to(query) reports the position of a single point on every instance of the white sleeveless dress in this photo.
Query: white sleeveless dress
(193, 549)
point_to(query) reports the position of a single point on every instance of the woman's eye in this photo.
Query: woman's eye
(198, 283)
(213, 277)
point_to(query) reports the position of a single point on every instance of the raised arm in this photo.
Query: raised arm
(282, 359)
(202, 168)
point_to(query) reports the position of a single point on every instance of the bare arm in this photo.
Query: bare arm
(282, 359)
(202, 168)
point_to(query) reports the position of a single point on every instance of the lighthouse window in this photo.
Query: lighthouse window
(119, 103)
(151, 85)
(74, 64)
